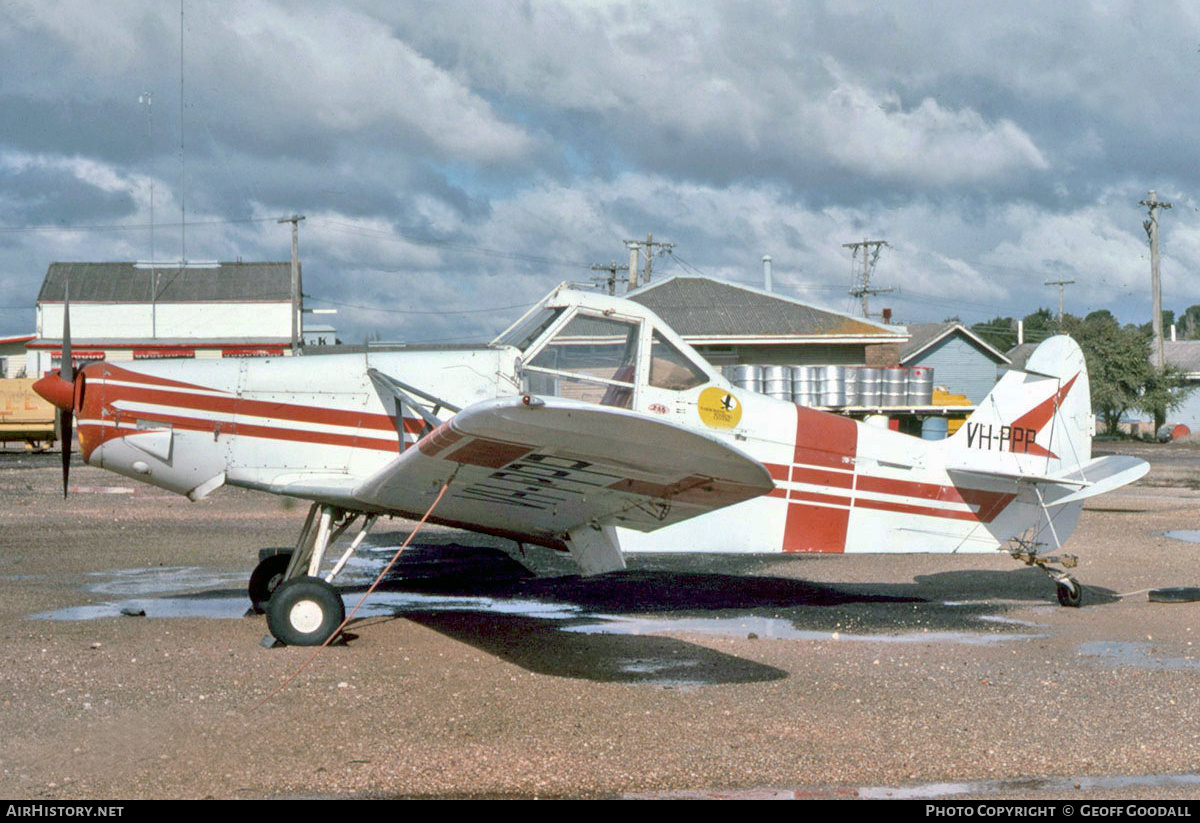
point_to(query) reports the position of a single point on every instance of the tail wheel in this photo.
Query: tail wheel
(305, 611)
(1070, 593)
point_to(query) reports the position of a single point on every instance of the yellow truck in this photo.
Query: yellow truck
(25, 416)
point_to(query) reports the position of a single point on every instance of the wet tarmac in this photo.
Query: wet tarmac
(128, 665)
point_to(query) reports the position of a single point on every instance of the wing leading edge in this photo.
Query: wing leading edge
(555, 471)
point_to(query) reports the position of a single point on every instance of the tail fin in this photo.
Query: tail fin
(1034, 422)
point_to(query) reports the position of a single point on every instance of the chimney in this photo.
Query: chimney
(887, 316)
(767, 272)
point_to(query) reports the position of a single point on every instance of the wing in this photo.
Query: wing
(545, 469)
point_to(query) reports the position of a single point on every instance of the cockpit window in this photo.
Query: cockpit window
(670, 369)
(591, 358)
(524, 334)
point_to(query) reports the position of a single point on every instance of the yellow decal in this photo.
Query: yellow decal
(719, 409)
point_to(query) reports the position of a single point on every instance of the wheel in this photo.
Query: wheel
(265, 578)
(305, 611)
(1070, 593)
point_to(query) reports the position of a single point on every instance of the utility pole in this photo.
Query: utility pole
(296, 307)
(1060, 284)
(1151, 226)
(612, 268)
(148, 99)
(636, 245)
(870, 256)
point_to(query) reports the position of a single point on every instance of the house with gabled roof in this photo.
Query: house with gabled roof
(731, 323)
(132, 311)
(963, 362)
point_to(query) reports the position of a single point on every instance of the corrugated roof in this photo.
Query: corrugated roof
(703, 307)
(127, 283)
(1183, 354)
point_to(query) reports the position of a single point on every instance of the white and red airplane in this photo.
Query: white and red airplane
(588, 426)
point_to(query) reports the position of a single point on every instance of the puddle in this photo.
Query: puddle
(1058, 787)
(571, 605)
(222, 605)
(773, 629)
(160, 580)
(1186, 535)
(1137, 656)
(381, 604)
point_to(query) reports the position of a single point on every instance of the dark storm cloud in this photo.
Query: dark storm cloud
(466, 154)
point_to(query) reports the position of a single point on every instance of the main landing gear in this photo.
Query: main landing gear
(303, 608)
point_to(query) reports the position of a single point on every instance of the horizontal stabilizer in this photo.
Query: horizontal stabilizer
(1104, 474)
(1097, 476)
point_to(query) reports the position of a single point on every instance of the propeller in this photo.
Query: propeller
(59, 388)
(67, 373)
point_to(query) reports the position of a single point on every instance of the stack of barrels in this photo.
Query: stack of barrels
(838, 386)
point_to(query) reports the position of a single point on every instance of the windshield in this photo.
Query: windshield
(591, 358)
(524, 333)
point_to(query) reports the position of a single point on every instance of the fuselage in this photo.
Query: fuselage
(317, 426)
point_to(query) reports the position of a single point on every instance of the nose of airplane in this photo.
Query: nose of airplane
(56, 390)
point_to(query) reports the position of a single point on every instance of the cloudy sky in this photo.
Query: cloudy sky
(456, 160)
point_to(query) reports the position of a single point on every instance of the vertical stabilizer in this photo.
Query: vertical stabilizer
(1037, 421)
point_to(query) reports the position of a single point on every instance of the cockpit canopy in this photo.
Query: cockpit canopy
(600, 349)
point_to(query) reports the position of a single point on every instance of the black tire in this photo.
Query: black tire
(265, 579)
(1070, 594)
(305, 611)
(1175, 594)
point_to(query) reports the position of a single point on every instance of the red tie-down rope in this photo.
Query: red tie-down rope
(362, 600)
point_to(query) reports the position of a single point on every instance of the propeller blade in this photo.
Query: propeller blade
(67, 372)
(67, 369)
(67, 416)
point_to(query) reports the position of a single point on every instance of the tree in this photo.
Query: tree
(1118, 361)
(999, 332)
(1165, 391)
(1189, 323)
(1121, 374)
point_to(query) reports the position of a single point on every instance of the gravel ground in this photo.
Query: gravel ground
(499, 675)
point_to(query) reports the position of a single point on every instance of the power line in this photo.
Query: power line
(407, 311)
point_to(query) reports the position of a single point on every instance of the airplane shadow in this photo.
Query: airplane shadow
(609, 628)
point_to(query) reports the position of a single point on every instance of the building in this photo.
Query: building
(12, 355)
(731, 324)
(962, 362)
(135, 311)
(1185, 356)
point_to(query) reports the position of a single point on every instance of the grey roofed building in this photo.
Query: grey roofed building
(731, 323)
(130, 283)
(962, 361)
(1183, 355)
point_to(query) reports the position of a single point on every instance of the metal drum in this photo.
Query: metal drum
(895, 386)
(851, 384)
(920, 386)
(804, 385)
(870, 386)
(832, 385)
(935, 428)
(747, 377)
(777, 381)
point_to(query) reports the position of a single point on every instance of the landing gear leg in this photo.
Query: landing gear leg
(1070, 592)
(303, 608)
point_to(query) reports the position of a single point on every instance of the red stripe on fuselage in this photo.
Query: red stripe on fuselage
(828, 441)
(819, 522)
